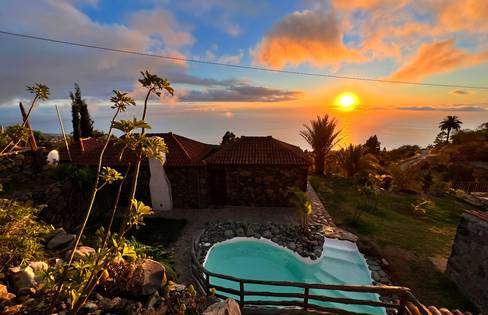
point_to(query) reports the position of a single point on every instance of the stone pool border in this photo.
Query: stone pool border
(307, 248)
(291, 237)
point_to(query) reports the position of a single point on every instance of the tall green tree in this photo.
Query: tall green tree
(450, 123)
(322, 135)
(228, 137)
(354, 160)
(82, 122)
(372, 145)
(75, 112)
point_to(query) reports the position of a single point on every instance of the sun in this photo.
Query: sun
(347, 101)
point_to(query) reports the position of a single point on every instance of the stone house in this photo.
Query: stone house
(250, 171)
(468, 264)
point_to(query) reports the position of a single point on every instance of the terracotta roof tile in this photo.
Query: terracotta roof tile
(184, 151)
(181, 151)
(258, 150)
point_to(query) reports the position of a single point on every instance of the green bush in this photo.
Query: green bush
(21, 234)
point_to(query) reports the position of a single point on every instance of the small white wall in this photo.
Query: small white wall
(160, 187)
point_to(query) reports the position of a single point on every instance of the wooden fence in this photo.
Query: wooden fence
(470, 187)
(304, 300)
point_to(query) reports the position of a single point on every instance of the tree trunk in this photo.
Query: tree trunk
(319, 163)
(448, 133)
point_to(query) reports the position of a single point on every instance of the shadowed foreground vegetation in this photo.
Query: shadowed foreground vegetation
(417, 247)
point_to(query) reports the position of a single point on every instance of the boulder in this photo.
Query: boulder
(229, 233)
(149, 277)
(39, 268)
(22, 279)
(81, 251)
(60, 240)
(227, 307)
(5, 295)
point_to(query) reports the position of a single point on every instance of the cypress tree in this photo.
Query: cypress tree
(82, 122)
(86, 123)
(75, 112)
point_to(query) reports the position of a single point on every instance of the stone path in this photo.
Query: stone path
(322, 217)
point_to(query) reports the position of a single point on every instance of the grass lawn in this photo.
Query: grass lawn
(412, 244)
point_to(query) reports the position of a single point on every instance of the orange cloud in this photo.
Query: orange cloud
(306, 36)
(437, 57)
(455, 15)
(365, 4)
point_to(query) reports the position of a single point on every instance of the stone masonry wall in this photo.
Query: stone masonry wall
(20, 167)
(468, 264)
(263, 185)
(188, 186)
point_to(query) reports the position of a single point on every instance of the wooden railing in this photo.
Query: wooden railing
(470, 187)
(305, 300)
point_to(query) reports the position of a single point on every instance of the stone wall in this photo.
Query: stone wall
(188, 186)
(263, 185)
(20, 166)
(468, 264)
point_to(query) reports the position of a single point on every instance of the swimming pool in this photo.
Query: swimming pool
(247, 258)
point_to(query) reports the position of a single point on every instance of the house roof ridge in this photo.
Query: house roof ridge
(288, 146)
(180, 145)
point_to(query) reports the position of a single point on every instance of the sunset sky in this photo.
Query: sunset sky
(426, 41)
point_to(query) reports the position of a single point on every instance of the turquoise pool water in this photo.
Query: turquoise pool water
(340, 263)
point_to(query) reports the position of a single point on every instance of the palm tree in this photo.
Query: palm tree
(322, 137)
(450, 123)
(354, 159)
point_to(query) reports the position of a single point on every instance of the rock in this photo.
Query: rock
(152, 301)
(5, 295)
(385, 262)
(39, 268)
(267, 234)
(60, 240)
(229, 233)
(14, 309)
(90, 307)
(173, 286)
(240, 232)
(81, 251)
(108, 304)
(227, 307)
(292, 246)
(150, 277)
(22, 279)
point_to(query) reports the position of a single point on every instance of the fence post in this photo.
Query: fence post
(403, 305)
(305, 299)
(241, 297)
(207, 282)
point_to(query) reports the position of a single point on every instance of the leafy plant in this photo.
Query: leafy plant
(303, 206)
(21, 233)
(41, 92)
(81, 280)
(355, 160)
(421, 207)
(322, 135)
(14, 134)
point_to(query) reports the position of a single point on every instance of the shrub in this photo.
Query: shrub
(422, 207)
(21, 234)
(303, 206)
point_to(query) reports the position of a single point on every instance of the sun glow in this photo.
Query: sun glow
(347, 101)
